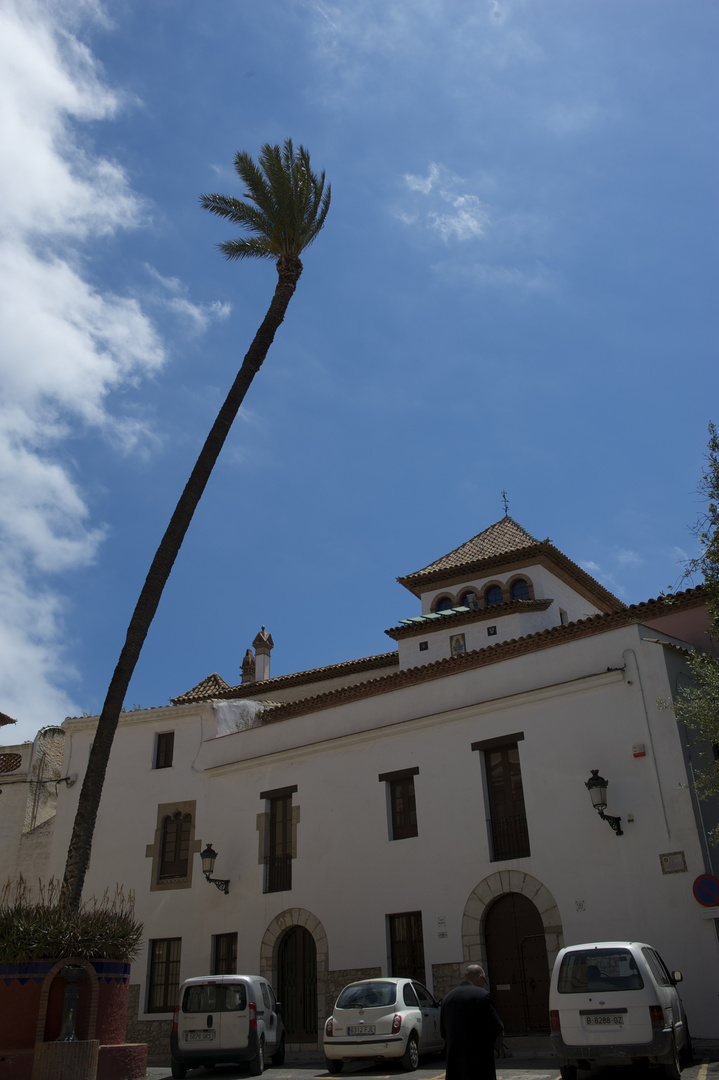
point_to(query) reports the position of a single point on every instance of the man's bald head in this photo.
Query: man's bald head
(474, 973)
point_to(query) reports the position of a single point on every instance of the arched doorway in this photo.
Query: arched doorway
(518, 964)
(297, 984)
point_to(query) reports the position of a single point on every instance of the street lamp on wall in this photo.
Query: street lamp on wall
(597, 787)
(208, 856)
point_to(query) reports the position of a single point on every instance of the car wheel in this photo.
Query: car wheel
(568, 1072)
(278, 1058)
(257, 1063)
(673, 1071)
(410, 1058)
(179, 1071)
(333, 1067)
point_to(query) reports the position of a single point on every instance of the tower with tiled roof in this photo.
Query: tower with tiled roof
(501, 584)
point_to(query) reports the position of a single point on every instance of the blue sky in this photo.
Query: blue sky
(515, 290)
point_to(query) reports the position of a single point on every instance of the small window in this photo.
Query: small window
(657, 967)
(426, 1000)
(225, 953)
(164, 746)
(445, 604)
(520, 589)
(366, 995)
(470, 599)
(164, 977)
(410, 998)
(493, 595)
(598, 971)
(402, 804)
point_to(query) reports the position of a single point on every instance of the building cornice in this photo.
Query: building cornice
(427, 624)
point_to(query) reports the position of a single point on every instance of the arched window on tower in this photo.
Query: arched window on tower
(175, 845)
(444, 604)
(520, 589)
(469, 599)
(494, 595)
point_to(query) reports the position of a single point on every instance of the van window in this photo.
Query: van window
(597, 971)
(266, 996)
(657, 968)
(214, 997)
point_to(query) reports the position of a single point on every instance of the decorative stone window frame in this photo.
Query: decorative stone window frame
(154, 851)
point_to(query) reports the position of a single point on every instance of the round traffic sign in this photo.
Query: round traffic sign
(706, 890)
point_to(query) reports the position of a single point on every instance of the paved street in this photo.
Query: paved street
(704, 1068)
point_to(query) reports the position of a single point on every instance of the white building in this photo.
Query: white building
(405, 812)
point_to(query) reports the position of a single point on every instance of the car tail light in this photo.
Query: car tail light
(329, 1026)
(253, 1015)
(174, 1017)
(656, 1012)
(396, 1023)
(554, 1020)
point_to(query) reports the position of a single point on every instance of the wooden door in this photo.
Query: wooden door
(297, 985)
(518, 966)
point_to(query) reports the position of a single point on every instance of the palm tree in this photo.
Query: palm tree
(286, 210)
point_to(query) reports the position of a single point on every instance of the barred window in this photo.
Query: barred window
(164, 979)
(175, 845)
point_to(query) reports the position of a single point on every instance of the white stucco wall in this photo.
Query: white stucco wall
(575, 716)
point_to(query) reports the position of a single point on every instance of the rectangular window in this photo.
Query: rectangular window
(175, 845)
(402, 804)
(225, 954)
(164, 979)
(406, 945)
(164, 745)
(507, 822)
(278, 858)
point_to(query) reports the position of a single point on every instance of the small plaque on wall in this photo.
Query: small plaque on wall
(673, 862)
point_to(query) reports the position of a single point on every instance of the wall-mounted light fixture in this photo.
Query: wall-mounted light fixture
(597, 786)
(208, 857)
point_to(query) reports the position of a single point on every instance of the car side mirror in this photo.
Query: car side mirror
(278, 1008)
(677, 977)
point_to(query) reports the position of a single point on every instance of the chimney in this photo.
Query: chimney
(248, 667)
(264, 645)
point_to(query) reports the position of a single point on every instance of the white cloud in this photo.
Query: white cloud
(198, 316)
(468, 218)
(66, 343)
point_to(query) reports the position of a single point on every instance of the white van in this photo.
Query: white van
(616, 1003)
(226, 1018)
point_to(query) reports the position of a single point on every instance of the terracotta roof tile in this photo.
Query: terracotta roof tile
(503, 537)
(201, 692)
(210, 687)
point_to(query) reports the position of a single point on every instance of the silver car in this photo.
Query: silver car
(382, 1019)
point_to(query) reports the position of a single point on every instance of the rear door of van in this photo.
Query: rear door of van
(234, 1028)
(603, 998)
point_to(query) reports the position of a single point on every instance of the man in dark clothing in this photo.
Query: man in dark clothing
(470, 1025)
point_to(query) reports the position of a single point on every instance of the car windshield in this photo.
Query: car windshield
(215, 997)
(597, 971)
(368, 995)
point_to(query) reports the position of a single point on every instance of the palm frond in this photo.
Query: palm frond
(284, 207)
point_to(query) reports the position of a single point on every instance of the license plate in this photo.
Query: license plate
(605, 1020)
(199, 1036)
(361, 1029)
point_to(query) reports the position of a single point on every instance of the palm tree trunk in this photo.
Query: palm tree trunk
(78, 858)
